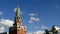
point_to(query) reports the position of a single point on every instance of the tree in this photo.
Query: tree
(53, 30)
(46, 31)
(56, 32)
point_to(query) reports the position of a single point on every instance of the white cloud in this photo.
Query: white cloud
(0, 13)
(30, 21)
(32, 14)
(43, 27)
(33, 19)
(37, 32)
(29, 33)
(15, 9)
(57, 28)
(6, 22)
(2, 29)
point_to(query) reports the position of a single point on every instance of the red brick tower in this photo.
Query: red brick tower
(17, 26)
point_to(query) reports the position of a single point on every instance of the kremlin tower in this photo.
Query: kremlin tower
(17, 27)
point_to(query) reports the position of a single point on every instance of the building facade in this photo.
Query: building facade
(17, 26)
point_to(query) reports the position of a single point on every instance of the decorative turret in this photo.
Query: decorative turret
(24, 28)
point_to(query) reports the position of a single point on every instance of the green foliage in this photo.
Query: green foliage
(53, 30)
(47, 32)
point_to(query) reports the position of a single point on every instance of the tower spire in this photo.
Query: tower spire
(18, 11)
(17, 17)
(18, 5)
(17, 26)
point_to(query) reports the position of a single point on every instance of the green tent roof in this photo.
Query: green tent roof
(18, 12)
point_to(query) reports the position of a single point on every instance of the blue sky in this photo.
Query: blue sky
(46, 12)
